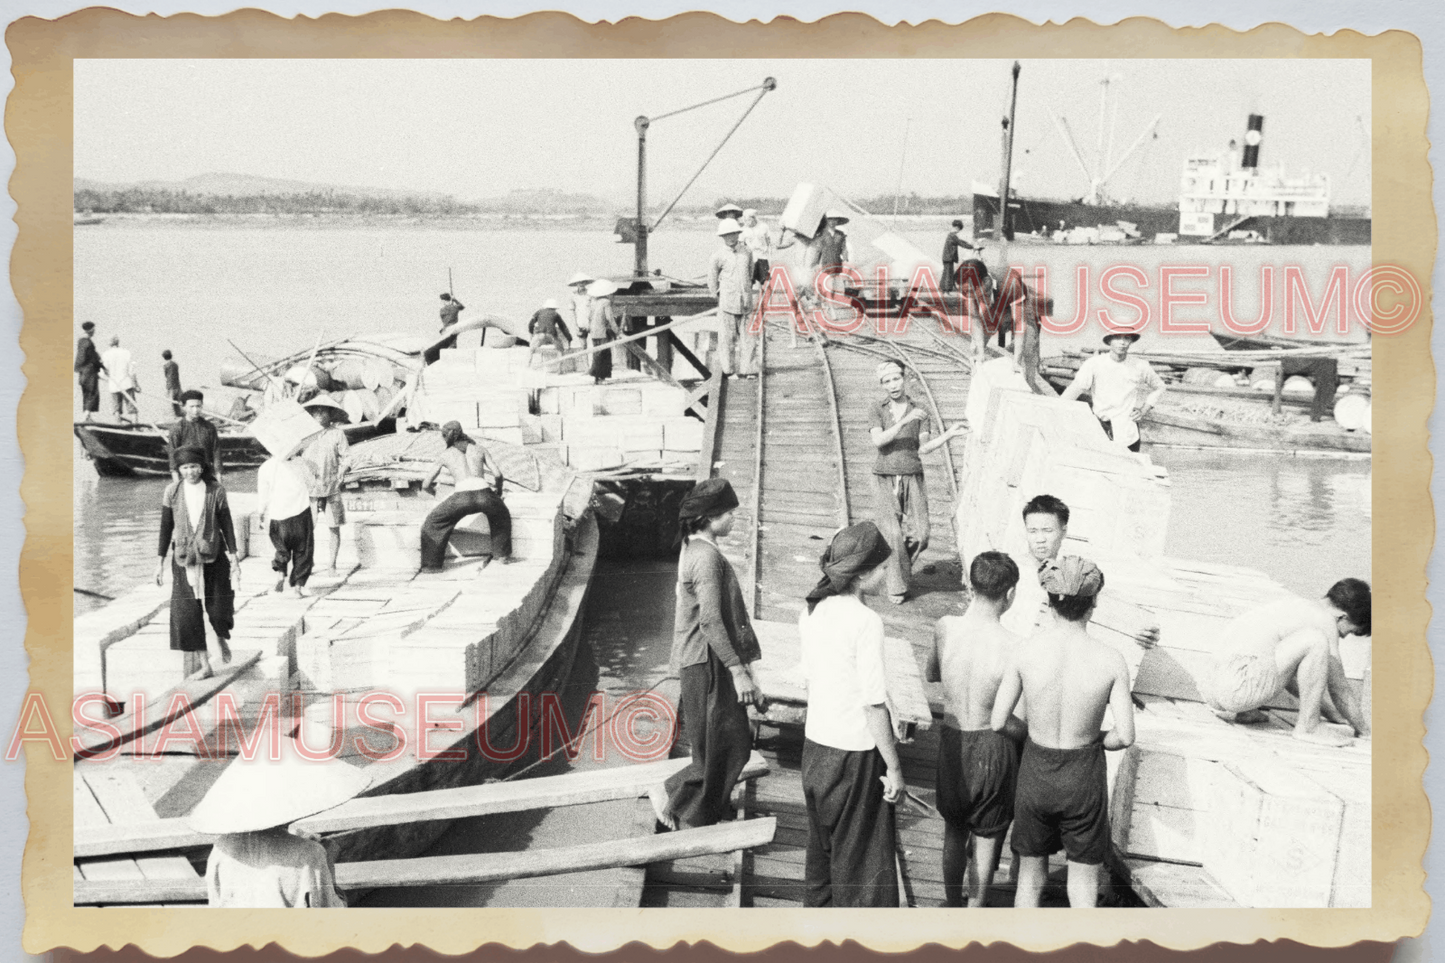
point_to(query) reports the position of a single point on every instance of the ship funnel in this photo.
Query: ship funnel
(1252, 137)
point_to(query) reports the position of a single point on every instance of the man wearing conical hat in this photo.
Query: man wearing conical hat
(730, 280)
(1067, 679)
(326, 459)
(256, 862)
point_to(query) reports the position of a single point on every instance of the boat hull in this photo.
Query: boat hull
(1176, 429)
(140, 451)
(1031, 216)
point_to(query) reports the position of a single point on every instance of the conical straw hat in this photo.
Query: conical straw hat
(581, 277)
(264, 792)
(602, 288)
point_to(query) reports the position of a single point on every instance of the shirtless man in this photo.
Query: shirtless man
(467, 461)
(1293, 644)
(1068, 680)
(977, 767)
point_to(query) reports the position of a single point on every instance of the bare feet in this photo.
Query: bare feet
(1323, 735)
(898, 599)
(658, 796)
(202, 673)
(1250, 717)
(280, 584)
(299, 592)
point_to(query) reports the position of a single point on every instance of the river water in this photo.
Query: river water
(277, 285)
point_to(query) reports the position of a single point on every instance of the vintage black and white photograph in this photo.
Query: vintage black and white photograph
(724, 483)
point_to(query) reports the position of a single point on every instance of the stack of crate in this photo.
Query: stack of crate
(631, 420)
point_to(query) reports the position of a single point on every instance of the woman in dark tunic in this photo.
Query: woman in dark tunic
(900, 432)
(713, 647)
(197, 532)
(851, 771)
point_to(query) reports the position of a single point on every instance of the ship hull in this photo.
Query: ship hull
(141, 451)
(1029, 216)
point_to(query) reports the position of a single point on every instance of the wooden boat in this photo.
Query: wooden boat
(1205, 407)
(140, 451)
(371, 376)
(496, 638)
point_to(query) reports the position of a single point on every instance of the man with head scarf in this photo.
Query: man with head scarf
(851, 771)
(198, 536)
(194, 431)
(1068, 680)
(713, 648)
(87, 370)
(466, 461)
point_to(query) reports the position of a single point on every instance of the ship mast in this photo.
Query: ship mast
(1005, 229)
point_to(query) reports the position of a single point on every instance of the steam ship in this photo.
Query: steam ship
(1223, 198)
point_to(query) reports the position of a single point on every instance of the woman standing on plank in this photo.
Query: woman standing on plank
(850, 762)
(901, 433)
(713, 646)
(196, 531)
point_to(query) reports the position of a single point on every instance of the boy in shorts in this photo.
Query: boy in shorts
(1068, 680)
(977, 767)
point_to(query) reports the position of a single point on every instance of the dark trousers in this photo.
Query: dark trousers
(1324, 372)
(715, 725)
(436, 531)
(949, 280)
(188, 621)
(294, 539)
(90, 391)
(762, 270)
(601, 360)
(851, 845)
(1109, 431)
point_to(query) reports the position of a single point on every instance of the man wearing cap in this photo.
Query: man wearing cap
(1068, 680)
(730, 280)
(120, 379)
(1046, 525)
(547, 328)
(325, 459)
(87, 370)
(1294, 645)
(466, 461)
(713, 648)
(193, 430)
(1122, 389)
(851, 771)
(951, 244)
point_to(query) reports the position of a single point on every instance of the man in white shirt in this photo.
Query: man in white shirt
(285, 502)
(730, 280)
(1122, 389)
(120, 379)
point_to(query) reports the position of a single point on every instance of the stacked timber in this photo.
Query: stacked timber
(632, 421)
(1204, 812)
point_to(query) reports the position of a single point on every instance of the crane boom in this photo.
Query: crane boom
(1132, 147)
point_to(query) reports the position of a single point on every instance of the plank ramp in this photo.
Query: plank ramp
(469, 869)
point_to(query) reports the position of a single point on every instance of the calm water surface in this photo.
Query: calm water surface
(275, 287)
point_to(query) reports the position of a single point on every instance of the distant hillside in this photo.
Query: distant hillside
(247, 194)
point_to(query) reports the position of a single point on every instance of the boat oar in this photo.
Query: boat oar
(253, 364)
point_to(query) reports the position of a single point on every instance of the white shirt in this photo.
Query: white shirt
(842, 642)
(1115, 389)
(120, 369)
(281, 490)
(195, 502)
(759, 239)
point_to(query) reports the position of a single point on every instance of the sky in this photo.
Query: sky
(476, 128)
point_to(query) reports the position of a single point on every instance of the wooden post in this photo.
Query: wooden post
(1278, 390)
